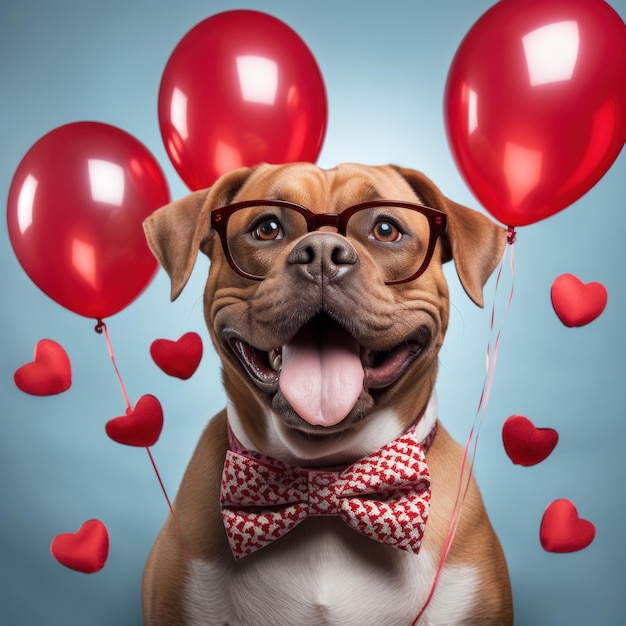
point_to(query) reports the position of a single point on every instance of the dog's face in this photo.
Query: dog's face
(321, 339)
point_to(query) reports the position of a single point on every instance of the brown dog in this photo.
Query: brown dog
(328, 320)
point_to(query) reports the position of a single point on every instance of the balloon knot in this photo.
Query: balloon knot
(99, 326)
(511, 235)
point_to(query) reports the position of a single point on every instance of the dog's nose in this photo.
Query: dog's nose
(322, 255)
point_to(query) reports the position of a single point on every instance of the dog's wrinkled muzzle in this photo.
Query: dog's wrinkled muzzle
(323, 364)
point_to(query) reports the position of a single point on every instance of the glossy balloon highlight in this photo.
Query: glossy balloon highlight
(75, 210)
(240, 88)
(535, 104)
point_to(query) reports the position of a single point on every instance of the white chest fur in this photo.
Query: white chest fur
(329, 576)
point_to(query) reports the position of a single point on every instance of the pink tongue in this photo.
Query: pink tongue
(322, 375)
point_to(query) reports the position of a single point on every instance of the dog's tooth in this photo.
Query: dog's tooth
(276, 359)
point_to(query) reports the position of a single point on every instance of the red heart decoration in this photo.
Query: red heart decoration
(525, 443)
(178, 358)
(575, 302)
(562, 530)
(84, 551)
(141, 426)
(50, 373)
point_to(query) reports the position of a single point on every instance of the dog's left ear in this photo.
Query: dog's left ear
(474, 242)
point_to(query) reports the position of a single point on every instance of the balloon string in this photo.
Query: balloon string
(171, 508)
(468, 457)
(100, 328)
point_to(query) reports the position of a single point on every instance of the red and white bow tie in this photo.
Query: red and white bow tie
(385, 496)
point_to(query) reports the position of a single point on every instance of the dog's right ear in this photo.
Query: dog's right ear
(178, 230)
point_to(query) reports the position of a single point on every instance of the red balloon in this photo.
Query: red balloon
(75, 209)
(240, 88)
(535, 104)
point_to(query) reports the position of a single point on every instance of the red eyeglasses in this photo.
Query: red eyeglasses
(399, 236)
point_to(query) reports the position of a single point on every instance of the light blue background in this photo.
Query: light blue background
(385, 65)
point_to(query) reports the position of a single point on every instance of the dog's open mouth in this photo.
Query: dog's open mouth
(323, 370)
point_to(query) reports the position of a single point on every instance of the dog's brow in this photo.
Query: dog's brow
(280, 193)
(274, 195)
(372, 194)
(367, 193)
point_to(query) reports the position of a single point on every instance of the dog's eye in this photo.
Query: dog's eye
(267, 230)
(386, 232)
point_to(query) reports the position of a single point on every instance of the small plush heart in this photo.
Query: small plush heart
(50, 373)
(575, 302)
(84, 551)
(562, 530)
(178, 358)
(140, 426)
(525, 443)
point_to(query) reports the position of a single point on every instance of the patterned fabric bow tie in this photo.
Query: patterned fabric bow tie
(385, 496)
